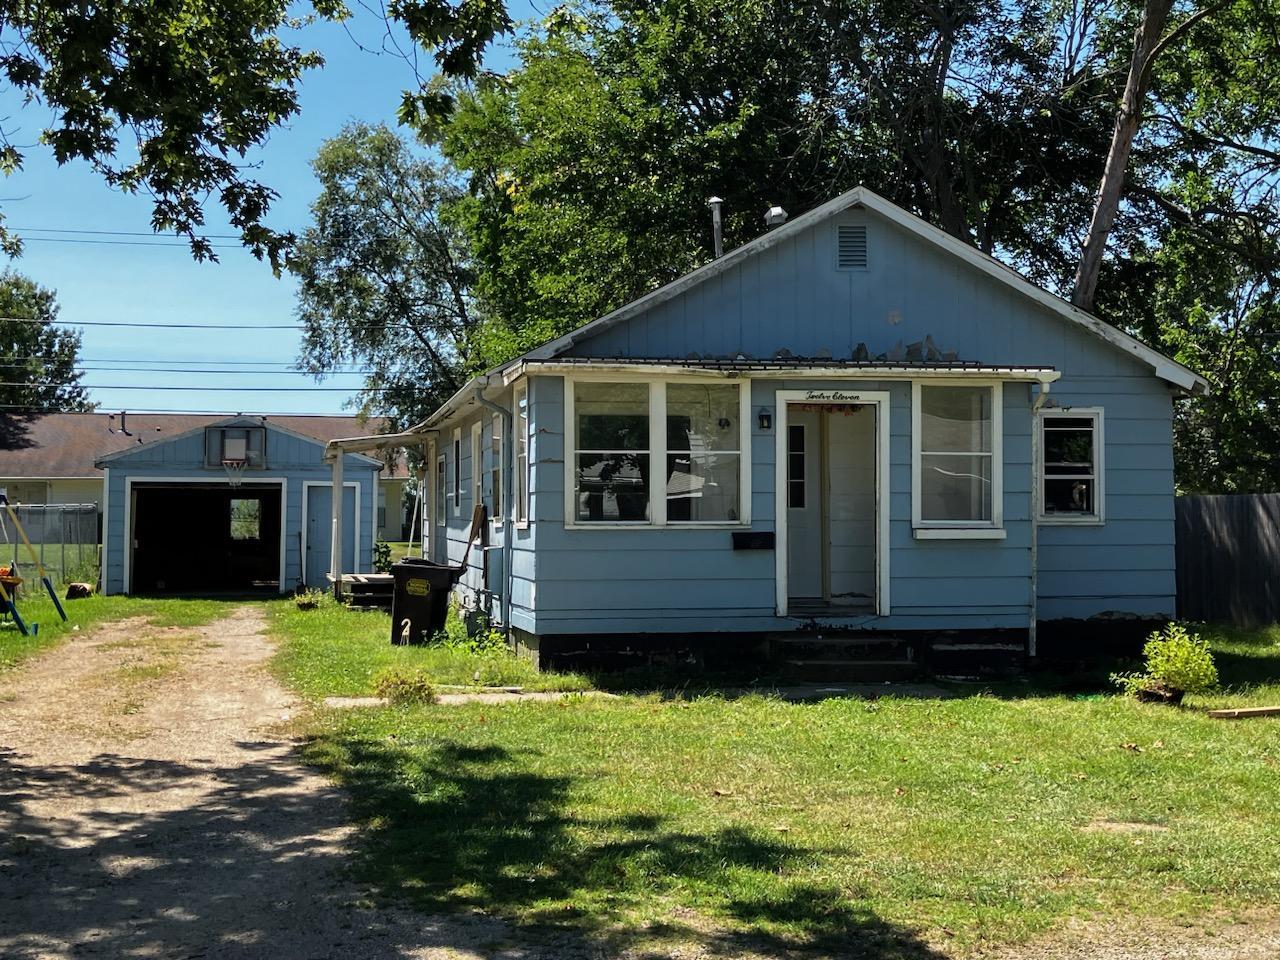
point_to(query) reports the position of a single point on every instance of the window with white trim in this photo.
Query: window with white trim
(694, 432)
(522, 452)
(958, 473)
(477, 464)
(495, 464)
(456, 473)
(441, 496)
(1071, 465)
(611, 459)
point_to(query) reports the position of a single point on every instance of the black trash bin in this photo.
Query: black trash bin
(420, 601)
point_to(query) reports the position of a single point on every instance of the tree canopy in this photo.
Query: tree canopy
(384, 274)
(38, 359)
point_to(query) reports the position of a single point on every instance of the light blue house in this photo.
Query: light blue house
(855, 422)
(176, 519)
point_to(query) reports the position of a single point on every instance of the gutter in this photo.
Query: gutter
(1036, 495)
(508, 528)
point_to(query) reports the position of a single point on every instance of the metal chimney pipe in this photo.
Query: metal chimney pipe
(717, 231)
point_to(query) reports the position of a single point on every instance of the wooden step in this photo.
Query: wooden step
(871, 648)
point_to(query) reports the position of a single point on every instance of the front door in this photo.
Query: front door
(831, 506)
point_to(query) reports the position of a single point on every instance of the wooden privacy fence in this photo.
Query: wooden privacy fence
(1228, 550)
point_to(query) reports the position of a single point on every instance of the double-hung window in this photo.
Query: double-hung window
(1071, 466)
(657, 454)
(956, 458)
(522, 452)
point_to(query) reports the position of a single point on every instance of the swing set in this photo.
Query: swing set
(10, 580)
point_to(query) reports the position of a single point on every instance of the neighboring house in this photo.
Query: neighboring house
(174, 522)
(50, 458)
(855, 421)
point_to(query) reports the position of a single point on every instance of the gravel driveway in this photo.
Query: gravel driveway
(147, 810)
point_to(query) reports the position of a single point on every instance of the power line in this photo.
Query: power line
(161, 326)
(148, 387)
(245, 363)
(117, 233)
(44, 411)
(260, 373)
(174, 245)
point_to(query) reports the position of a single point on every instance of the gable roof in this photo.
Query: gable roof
(1162, 366)
(66, 445)
(239, 420)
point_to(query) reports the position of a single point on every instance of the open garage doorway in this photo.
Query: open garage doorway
(205, 538)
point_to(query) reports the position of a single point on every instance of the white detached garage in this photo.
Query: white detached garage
(236, 506)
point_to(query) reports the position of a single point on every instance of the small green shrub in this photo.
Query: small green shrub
(404, 686)
(382, 557)
(1176, 661)
(314, 600)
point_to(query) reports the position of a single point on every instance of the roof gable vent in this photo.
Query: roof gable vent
(851, 246)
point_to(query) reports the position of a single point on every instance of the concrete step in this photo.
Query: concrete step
(851, 671)
(844, 647)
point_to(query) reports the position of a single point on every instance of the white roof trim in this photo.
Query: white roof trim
(1163, 367)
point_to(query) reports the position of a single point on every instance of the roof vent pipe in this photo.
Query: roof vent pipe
(775, 217)
(717, 233)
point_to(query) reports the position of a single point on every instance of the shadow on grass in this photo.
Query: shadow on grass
(453, 827)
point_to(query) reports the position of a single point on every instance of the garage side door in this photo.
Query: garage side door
(319, 524)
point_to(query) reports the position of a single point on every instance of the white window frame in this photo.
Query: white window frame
(1098, 517)
(456, 473)
(657, 453)
(440, 502)
(959, 529)
(496, 452)
(477, 463)
(520, 396)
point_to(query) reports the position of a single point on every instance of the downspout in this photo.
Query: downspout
(508, 527)
(1036, 494)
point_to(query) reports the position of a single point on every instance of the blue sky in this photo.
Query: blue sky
(117, 282)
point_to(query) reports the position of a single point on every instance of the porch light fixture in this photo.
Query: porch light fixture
(766, 418)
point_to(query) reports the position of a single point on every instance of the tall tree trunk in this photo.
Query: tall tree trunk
(1146, 42)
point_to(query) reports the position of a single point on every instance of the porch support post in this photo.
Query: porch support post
(335, 543)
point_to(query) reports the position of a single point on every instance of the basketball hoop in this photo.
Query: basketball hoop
(235, 471)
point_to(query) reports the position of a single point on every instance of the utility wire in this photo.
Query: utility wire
(161, 326)
(138, 386)
(258, 363)
(45, 411)
(175, 245)
(259, 373)
(117, 233)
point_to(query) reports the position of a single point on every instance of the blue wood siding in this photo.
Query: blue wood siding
(791, 297)
(294, 459)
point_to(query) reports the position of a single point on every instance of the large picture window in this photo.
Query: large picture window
(693, 432)
(1071, 465)
(957, 468)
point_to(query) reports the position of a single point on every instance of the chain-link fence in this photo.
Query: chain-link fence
(63, 535)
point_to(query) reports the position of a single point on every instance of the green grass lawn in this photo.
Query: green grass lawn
(890, 826)
(337, 651)
(37, 608)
